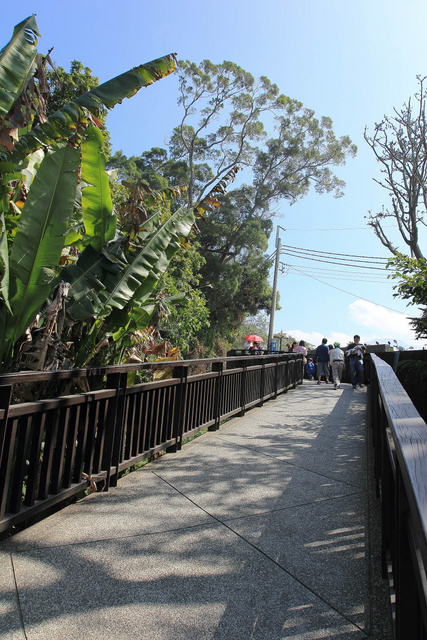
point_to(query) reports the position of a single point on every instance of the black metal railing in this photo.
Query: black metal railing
(53, 447)
(400, 442)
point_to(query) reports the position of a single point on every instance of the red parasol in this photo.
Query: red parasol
(253, 338)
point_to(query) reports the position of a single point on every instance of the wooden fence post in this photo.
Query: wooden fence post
(114, 436)
(180, 406)
(219, 368)
(5, 456)
(5, 398)
(276, 377)
(243, 389)
(262, 385)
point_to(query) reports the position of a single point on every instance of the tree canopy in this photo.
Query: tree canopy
(412, 276)
(231, 119)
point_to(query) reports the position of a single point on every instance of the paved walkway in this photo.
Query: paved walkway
(264, 530)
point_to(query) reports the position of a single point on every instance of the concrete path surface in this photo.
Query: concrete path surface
(264, 530)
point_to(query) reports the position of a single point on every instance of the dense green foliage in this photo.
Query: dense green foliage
(104, 260)
(227, 117)
(412, 286)
(230, 118)
(76, 282)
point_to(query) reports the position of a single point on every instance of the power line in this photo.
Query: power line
(367, 228)
(341, 264)
(330, 253)
(346, 275)
(352, 294)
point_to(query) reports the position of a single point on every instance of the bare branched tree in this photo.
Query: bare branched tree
(399, 143)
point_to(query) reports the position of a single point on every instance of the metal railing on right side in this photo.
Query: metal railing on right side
(400, 442)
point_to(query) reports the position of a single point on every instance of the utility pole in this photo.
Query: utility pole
(276, 274)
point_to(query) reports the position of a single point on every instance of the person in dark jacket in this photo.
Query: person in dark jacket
(322, 361)
(355, 352)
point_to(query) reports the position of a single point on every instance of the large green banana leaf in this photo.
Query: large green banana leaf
(154, 257)
(97, 206)
(101, 282)
(127, 84)
(64, 123)
(132, 285)
(39, 240)
(85, 277)
(139, 317)
(17, 62)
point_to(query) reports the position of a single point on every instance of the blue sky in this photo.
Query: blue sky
(353, 63)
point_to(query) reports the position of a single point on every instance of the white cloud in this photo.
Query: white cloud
(377, 322)
(342, 338)
(315, 338)
(371, 321)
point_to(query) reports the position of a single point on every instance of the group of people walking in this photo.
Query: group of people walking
(330, 361)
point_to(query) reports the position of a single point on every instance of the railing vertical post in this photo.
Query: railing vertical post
(219, 368)
(373, 396)
(114, 436)
(243, 389)
(300, 369)
(276, 377)
(5, 398)
(5, 457)
(180, 401)
(262, 385)
(291, 373)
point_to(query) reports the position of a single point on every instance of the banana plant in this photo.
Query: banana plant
(67, 143)
(127, 286)
(38, 244)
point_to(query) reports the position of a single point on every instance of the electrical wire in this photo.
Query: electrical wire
(367, 228)
(340, 255)
(352, 294)
(346, 275)
(340, 264)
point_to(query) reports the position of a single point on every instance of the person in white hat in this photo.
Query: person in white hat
(337, 362)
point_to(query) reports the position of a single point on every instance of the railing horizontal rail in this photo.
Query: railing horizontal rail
(400, 441)
(52, 448)
(38, 406)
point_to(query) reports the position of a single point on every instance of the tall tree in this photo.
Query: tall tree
(399, 143)
(229, 119)
(233, 243)
(227, 115)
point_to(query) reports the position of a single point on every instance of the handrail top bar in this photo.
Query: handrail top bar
(403, 409)
(63, 374)
(409, 432)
